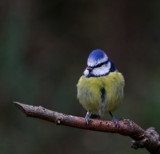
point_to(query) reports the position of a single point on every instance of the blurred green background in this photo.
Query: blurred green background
(44, 47)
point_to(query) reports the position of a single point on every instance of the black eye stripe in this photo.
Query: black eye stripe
(99, 65)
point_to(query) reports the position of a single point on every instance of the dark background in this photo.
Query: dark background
(44, 47)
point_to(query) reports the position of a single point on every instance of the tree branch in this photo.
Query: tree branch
(148, 139)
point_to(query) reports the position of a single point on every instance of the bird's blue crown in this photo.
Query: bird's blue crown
(99, 64)
(97, 55)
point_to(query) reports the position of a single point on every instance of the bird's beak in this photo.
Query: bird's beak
(87, 71)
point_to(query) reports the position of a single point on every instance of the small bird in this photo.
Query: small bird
(100, 88)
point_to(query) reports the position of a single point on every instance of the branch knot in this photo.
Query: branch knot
(151, 140)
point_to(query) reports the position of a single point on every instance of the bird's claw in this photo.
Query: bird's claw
(87, 117)
(114, 120)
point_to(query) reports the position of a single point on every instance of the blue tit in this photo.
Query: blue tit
(100, 88)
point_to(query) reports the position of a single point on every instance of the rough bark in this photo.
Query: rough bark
(148, 139)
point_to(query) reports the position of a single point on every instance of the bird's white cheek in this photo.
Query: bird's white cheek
(104, 69)
(86, 72)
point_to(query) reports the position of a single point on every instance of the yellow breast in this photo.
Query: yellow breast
(89, 94)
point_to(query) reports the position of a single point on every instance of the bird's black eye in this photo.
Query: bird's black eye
(99, 65)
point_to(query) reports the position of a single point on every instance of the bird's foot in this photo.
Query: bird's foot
(87, 117)
(114, 120)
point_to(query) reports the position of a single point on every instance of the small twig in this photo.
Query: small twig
(148, 139)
